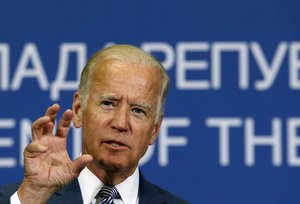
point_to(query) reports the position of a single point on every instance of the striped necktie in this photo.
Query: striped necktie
(106, 195)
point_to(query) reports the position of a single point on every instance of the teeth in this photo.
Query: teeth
(115, 144)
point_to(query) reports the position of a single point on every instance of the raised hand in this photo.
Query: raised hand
(47, 166)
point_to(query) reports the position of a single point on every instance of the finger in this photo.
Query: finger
(52, 113)
(34, 149)
(64, 124)
(38, 127)
(81, 162)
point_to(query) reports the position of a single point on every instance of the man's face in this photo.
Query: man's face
(119, 122)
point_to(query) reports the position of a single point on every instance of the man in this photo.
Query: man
(119, 106)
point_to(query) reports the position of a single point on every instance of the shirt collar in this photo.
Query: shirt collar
(90, 186)
(129, 188)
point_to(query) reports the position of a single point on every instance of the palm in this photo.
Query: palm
(52, 168)
(46, 160)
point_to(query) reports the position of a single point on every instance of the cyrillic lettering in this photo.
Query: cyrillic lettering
(269, 72)
(294, 65)
(30, 53)
(61, 83)
(4, 67)
(164, 48)
(241, 48)
(183, 65)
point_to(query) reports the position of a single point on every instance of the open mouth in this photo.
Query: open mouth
(115, 144)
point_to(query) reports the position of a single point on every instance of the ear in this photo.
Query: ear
(77, 110)
(156, 129)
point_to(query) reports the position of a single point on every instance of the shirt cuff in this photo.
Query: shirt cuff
(14, 199)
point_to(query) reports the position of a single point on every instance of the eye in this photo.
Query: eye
(138, 111)
(107, 104)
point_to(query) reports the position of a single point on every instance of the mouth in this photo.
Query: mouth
(115, 145)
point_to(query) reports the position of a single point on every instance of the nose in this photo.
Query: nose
(121, 119)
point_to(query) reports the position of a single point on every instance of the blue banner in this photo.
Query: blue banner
(232, 118)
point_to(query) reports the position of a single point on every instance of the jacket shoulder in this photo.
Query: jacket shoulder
(170, 197)
(151, 193)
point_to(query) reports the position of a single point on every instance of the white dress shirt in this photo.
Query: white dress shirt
(90, 186)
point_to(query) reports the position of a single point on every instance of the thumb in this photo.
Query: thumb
(81, 162)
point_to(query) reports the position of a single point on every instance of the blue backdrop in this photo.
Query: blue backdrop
(231, 132)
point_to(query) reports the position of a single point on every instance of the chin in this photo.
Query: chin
(112, 164)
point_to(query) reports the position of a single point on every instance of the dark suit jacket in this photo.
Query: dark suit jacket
(148, 194)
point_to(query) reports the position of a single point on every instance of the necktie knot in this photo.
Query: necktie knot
(106, 195)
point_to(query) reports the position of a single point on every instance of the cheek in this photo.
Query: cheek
(91, 122)
(88, 132)
(143, 137)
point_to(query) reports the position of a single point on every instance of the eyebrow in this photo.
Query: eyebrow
(108, 96)
(113, 97)
(143, 105)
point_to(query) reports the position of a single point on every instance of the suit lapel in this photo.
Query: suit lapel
(148, 193)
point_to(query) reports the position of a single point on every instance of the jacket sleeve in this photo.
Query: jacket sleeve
(7, 191)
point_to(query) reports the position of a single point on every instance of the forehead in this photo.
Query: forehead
(127, 77)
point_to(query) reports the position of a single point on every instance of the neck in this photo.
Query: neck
(108, 176)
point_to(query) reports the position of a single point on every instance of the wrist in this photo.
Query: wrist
(29, 193)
